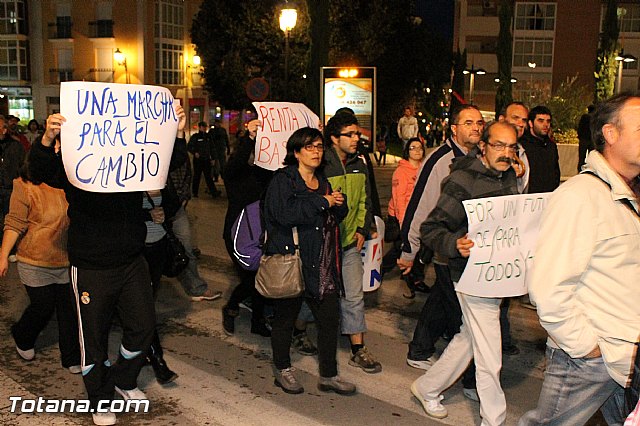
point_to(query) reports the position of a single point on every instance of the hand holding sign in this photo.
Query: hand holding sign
(52, 130)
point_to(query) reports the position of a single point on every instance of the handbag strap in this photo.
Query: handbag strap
(167, 227)
(295, 239)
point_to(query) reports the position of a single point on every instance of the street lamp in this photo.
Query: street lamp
(622, 58)
(472, 74)
(121, 59)
(288, 18)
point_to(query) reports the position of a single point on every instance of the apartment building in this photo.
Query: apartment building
(46, 42)
(552, 40)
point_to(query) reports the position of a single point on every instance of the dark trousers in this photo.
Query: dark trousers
(246, 289)
(441, 313)
(327, 315)
(101, 294)
(44, 301)
(202, 167)
(155, 254)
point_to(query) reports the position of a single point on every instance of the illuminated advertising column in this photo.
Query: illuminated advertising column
(353, 88)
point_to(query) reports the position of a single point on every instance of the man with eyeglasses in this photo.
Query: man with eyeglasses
(484, 172)
(347, 173)
(542, 152)
(441, 312)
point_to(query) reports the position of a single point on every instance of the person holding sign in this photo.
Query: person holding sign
(109, 275)
(584, 280)
(347, 171)
(485, 172)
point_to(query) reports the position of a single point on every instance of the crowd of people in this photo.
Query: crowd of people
(94, 257)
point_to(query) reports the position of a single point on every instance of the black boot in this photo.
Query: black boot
(163, 374)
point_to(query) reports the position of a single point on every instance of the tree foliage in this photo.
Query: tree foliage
(606, 65)
(567, 104)
(241, 39)
(504, 56)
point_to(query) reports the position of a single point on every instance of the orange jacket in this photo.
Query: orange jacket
(402, 183)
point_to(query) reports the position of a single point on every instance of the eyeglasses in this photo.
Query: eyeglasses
(319, 147)
(351, 134)
(470, 123)
(413, 148)
(501, 147)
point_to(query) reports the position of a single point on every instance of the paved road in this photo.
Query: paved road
(228, 380)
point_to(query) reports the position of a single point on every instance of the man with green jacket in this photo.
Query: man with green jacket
(347, 172)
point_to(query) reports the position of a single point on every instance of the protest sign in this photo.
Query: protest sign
(504, 231)
(117, 137)
(279, 121)
(372, 259)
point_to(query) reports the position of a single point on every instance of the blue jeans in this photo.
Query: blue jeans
(352, 304)
(573, 390)
(190, 279)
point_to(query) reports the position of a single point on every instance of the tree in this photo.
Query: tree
(504, 55)
(241, 40)
(606, 66)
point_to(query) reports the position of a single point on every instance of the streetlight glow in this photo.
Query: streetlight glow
(196, 60)
(473, 72)
(119, 57)
(622, 58)
(288, 18)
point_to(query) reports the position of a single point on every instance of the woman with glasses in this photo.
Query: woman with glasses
(402, 183)
(300, 196)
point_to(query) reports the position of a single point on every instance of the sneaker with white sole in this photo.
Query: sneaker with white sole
(432, 407)
(27, 355)
(471, 394)
(104, 419)
(363, 359)
(75, 369)
(134, 394)
(422, 364)
(207, 295)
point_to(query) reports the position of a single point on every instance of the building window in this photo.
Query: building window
(535, 16)
(481, 44)
(13, 17)
(630, 18)
(13, 60)
(482, 8)
(169, 41)
(538, 50)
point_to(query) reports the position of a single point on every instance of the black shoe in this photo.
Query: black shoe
(259, 327)
(412, 291)
(229, 320)
(421, 287)
(163, 374)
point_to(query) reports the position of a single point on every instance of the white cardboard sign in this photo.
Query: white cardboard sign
(504, 231)
(279, 121)
(372, 259)
(117, 137)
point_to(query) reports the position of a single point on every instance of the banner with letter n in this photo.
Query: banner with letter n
(117, 137)
(504, 231)
(372, 258)
(279, 121)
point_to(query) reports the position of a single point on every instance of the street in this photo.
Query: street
(228, 380)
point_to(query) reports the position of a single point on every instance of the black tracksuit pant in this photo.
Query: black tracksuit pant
(124, 291)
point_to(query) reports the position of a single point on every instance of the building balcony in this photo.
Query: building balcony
(58, 75)
(103, 75)
(101, 29)
(57, 31)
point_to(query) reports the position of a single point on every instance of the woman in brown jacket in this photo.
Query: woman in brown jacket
(37, 222)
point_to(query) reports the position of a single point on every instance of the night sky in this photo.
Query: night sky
(437, 14)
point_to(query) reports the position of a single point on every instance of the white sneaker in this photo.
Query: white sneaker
(104, 419)
(431, 406)
(75, 369)
(471, 394)
(27, 355)
(135, 394)
(13, 258)
(422, 365)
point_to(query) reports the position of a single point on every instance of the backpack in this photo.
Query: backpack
(247, 235)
